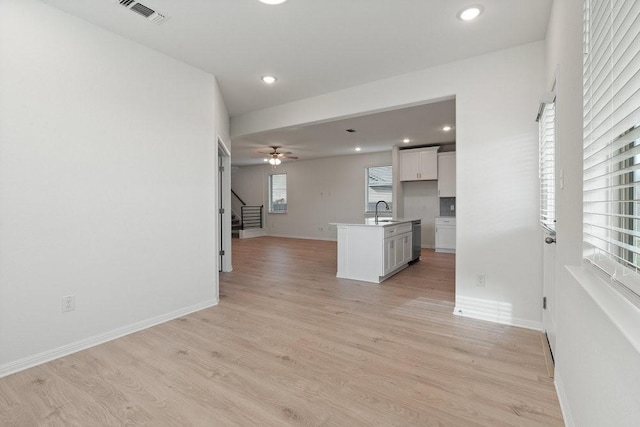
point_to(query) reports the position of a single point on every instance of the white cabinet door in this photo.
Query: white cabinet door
(409, 165)
(428, 165)
(419, 164)
(445, 238)
(407, 248)
(447, 174)
(389, 255)
(399, 251)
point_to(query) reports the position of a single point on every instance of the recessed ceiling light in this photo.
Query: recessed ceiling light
(269, 79)
(358, 148)
(406, 140)
(273, 1)
(446, 128)
(470, 13)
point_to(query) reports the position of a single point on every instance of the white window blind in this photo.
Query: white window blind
(379, 187)
(278, 193)
(547, 162)
(611, 180)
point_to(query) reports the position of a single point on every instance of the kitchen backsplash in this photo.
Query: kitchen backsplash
(447, 206)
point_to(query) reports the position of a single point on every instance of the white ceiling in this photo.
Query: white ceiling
(319, 46)
(374, 132)
(315, 46)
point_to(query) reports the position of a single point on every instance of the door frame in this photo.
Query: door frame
(223, 201)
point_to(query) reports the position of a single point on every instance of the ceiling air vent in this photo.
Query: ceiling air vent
(143, 10)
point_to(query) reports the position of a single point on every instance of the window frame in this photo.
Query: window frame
(270, 209)
(366, 190)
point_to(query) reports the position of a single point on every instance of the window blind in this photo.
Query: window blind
(379, 187)
(278, 192)
(611, 162)
(547, 162)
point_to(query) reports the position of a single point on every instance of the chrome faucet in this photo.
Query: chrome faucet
(386, 206)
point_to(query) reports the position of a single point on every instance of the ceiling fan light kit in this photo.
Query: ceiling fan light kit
(275, 156)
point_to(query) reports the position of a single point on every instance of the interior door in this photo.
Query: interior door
(549, 288)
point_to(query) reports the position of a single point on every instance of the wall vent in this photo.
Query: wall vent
(143, 10)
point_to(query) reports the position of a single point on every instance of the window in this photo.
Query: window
(547, 171)
(379, 187)
(278, 193)
(611, 181)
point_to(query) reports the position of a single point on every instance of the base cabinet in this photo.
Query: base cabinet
(445, 234)
(397, 252)
(373, 253)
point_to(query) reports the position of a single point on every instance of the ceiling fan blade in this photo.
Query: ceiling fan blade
(290, 157)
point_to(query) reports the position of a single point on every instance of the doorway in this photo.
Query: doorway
(223, 202)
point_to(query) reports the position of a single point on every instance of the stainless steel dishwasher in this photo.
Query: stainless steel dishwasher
(416, 237)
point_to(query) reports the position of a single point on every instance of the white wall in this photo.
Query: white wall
(107, 184)
(497, 185)
(319, 192)
(597, 365)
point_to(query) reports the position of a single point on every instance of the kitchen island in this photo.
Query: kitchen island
(373, 251)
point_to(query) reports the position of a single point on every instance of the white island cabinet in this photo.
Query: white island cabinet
(373, 252)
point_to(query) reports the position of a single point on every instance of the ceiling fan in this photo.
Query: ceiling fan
(275, 156)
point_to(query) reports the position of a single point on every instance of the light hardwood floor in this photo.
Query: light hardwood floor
(289, 344)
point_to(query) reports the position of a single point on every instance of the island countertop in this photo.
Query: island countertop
(382, 222)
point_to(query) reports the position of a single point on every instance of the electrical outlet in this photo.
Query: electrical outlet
(480, 280)
(68, 303)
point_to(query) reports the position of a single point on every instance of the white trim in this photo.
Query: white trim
(287, 236)
(65, 350)
(252, 232)
(492, 311)
(622, 312)
(445, 251)
(563, 400)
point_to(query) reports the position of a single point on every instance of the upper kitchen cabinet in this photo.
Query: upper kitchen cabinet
(420, 164)
(447, 174)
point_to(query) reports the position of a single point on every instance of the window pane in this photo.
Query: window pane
(278, 193)
(379, 186)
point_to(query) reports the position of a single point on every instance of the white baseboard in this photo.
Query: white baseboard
(492, 311)
(252, 232)
(65, 350)
(564, 402)
(445, 251)
(288, 236)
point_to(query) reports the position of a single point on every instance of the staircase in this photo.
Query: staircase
(250, 217)
(236, 225)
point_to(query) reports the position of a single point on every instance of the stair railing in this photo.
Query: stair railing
(251, 216)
